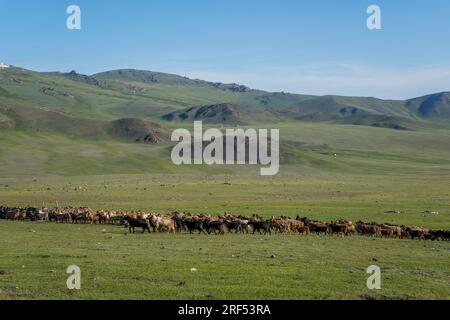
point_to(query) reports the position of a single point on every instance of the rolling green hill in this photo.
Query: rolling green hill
(434, 106)
(58, 114)
(134, 93)
(103, 141)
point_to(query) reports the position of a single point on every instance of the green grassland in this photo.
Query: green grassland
(113, 265)
(157, 266)
(326, 197)
(54, 150)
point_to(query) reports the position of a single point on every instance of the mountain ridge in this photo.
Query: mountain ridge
(155, 96)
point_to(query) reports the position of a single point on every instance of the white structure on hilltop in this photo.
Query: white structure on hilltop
(4, 66)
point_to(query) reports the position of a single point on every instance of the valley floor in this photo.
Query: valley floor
(114, 265)
(400, 199)
(35, 256)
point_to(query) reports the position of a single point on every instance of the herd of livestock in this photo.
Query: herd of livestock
(226, 222)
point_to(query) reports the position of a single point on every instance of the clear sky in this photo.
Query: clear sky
(313, 47)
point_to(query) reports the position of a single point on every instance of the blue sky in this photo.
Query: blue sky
(314, 47)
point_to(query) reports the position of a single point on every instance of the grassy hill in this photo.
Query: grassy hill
(435, 106)
(95, 122)
(135, 93)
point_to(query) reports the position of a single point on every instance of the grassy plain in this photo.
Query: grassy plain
(158, 266)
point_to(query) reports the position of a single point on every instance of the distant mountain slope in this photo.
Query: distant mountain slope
(336, 106)
(380, 121)
(434, 106)
(139, 130)
(149, 77)
(73, 75)
(226, 113)
(128, 93)
(70, 123)
(47, 120)
(131, 75)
